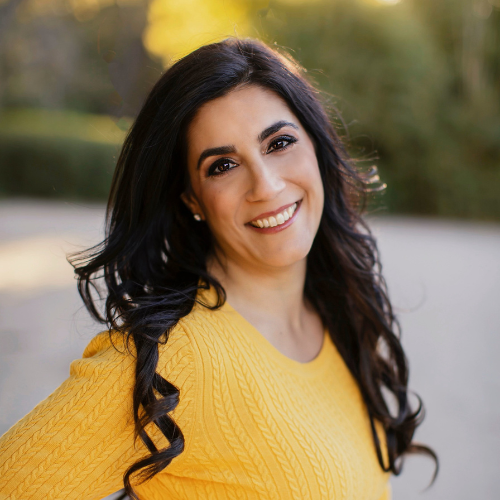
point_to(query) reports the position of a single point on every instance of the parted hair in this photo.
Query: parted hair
(154, 256)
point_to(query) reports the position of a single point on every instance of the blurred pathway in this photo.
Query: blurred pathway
(444, 280)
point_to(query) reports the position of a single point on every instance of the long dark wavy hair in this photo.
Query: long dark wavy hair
(154, 255)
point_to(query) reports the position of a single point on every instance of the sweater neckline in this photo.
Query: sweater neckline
(311, 367)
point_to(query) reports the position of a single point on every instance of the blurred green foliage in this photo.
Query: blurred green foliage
(417, 86)
(57, 154)
(401, 78)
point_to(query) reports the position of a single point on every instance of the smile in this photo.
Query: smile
(276, 219)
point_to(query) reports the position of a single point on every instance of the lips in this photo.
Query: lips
(273, 212)
(276, 219)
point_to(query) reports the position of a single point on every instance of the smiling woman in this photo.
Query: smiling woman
(265, 169)
(250, 339)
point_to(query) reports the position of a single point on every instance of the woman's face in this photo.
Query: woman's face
(254, 179)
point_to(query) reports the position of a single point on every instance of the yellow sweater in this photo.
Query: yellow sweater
(257, 424)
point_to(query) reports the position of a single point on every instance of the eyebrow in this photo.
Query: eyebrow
(274, 128)
(224, 150)
(221, 150)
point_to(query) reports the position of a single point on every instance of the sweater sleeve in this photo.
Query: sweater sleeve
(387, 495)
(77, 443)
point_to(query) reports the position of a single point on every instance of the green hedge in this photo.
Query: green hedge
(57, 154)
(452, 171)
(396, 74)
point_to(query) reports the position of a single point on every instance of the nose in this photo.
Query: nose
(265, 181)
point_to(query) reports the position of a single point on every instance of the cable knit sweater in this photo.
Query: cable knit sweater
(257, 424)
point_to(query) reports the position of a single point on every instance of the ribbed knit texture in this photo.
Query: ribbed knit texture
(257, 424)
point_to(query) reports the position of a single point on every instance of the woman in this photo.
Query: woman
(231, 184)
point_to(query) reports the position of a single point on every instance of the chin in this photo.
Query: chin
(286, 257)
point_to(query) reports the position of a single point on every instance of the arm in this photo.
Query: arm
(77, 443)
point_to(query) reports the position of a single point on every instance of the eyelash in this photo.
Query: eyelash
(283, 138)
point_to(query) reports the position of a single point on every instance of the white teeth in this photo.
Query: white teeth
(277, 220)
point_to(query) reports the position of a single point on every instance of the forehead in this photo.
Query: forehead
(241, 114)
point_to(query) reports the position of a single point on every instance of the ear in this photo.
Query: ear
(191, 202)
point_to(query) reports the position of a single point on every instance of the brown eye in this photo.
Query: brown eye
(221, 166)
(281, 143)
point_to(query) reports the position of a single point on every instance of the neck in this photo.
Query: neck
(272, 293)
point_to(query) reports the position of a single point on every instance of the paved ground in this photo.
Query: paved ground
(444, 279)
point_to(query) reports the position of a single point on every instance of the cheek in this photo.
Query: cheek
(313, 186)
(308, 177)
(219, 204)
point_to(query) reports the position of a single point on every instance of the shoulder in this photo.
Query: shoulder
(211, 333)
(111, 350)
(109, 360)
(207, 321)
(185, 347)
(106, 361)
(187, 355)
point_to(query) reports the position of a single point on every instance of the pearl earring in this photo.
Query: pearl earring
(197, 217)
